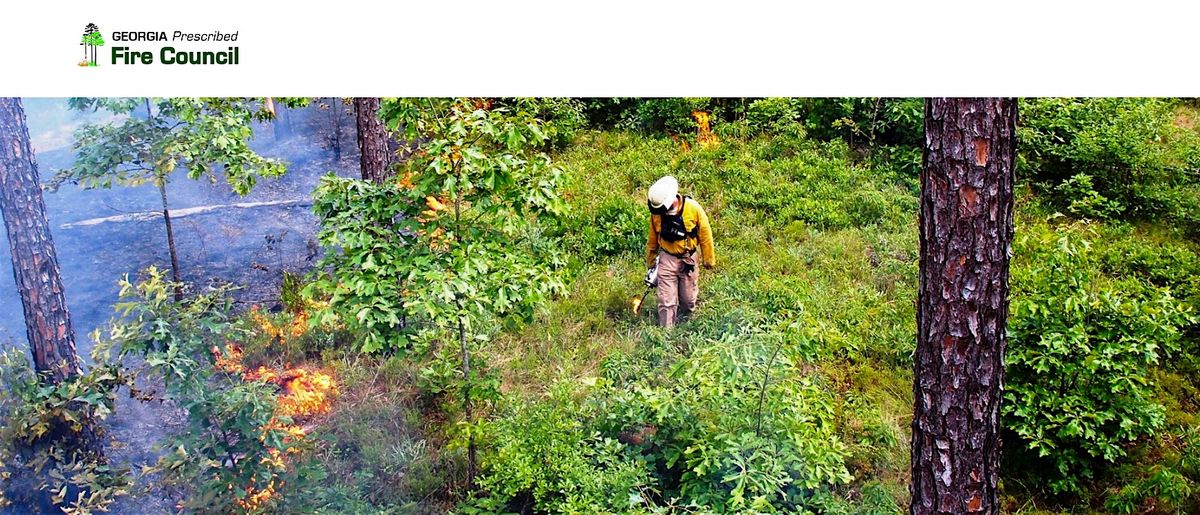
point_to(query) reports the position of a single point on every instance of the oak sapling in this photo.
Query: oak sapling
(150, 138)
(450, 246)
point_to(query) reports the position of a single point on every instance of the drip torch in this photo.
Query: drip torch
(651, 282)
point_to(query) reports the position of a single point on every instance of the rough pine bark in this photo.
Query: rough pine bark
(35, 265)
(372, 140)
(966, 229)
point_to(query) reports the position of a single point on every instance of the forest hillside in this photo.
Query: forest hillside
(467, 338)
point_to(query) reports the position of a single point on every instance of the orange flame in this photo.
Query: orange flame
(683, 144)
(704, 134)
(229, 361)
(296, 328)
(263, 374)
(303, 393)
(307, 393)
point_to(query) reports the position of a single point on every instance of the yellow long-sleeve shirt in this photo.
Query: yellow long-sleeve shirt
(693, 216)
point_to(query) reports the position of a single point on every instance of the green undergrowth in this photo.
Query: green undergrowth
(802, 346)
(787, 390)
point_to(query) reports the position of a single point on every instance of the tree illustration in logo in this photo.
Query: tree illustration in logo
(92, 38)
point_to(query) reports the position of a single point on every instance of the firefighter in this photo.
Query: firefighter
(678, 228)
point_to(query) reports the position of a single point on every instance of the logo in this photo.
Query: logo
(91, 39)
(144, 54)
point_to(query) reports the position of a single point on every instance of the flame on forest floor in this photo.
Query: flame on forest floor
(229, 360)
(704, 135)
(296, 328)
(683, 144)
(304, 392)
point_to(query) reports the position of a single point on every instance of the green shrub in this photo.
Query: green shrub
(815, 184)
(545, 458)
(360, 220)
(876, 500)
(608, 113)
(722, 435)
(454, 242)
(1167, 480)
(1080, 191)
(1109, 157)
(882, 121)
(51, 452)
(563, 117)
(1081, 348)
(673, 115)
(235, 446)
(1163, 487)
(617, 227)
(775, 115)
(902, 161)
(1154, 260)
(291, 292)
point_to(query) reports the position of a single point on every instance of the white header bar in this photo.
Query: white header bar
(611, 48)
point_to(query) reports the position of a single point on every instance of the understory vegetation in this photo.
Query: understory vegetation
(471, 339)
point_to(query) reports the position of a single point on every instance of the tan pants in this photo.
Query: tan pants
(675, 288)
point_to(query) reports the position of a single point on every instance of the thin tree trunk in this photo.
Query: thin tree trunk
(966, 228)
(467, 411)
(462, 340)
(336, 107)
(161, 182)
(162, 191)
(372, 140)
(762, 393)
(35, 264)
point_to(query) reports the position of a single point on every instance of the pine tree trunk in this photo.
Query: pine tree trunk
(966, 228)
(35, 264)
(372, 140)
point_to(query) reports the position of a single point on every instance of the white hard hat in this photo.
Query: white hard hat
(663, 192)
